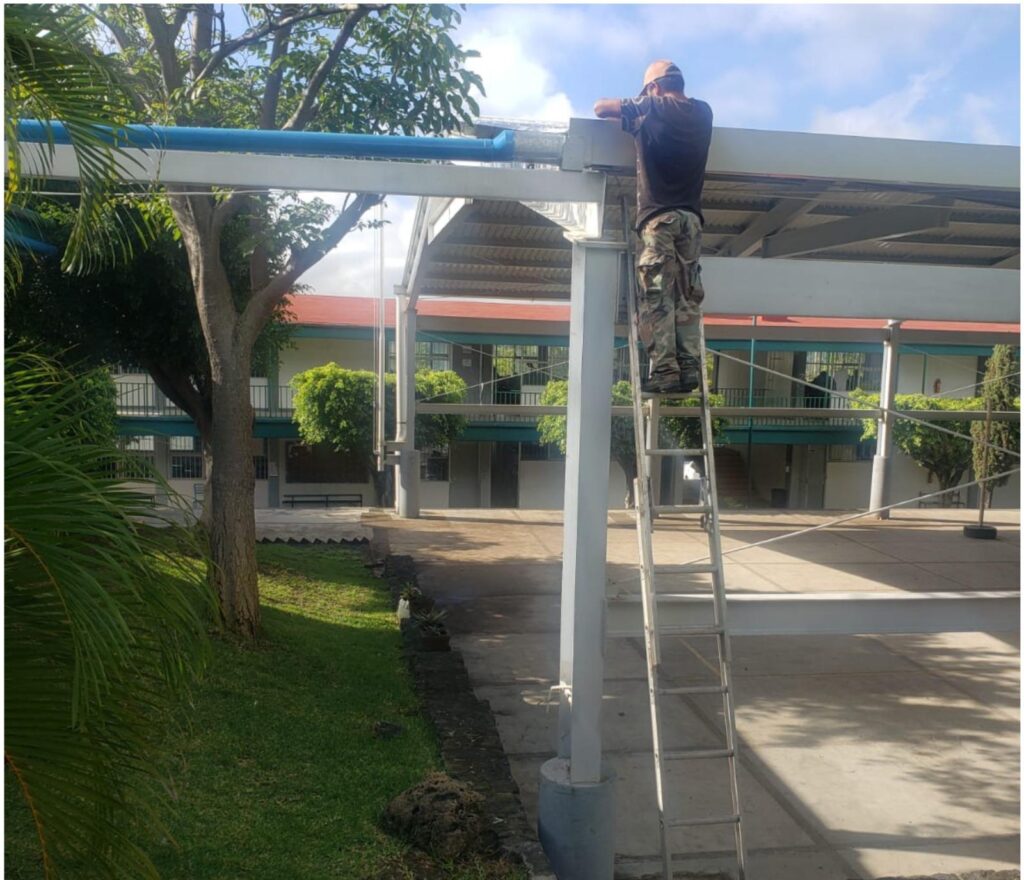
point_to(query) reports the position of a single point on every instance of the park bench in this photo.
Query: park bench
(345, 499)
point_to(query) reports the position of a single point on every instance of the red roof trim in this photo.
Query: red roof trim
(359, 311)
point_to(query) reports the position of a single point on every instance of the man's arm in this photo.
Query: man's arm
(608, 108)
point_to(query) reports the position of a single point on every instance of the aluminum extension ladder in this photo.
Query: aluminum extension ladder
(645, 416)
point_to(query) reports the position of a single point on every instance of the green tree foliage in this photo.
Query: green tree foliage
(368, 68)
(1001, 390)
(52, 73)
(334, 405)
(142, 312)
(105, 629)
(682, 432)
(944, 456)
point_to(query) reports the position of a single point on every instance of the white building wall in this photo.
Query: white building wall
(542, 485)
(918, 373)
(353, 354)
(434, 494)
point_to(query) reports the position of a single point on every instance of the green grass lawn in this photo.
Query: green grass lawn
(279, 775)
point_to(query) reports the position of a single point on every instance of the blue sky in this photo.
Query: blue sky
(925, 71)
(936, 72)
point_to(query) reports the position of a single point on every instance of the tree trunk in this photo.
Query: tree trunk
(232, 524)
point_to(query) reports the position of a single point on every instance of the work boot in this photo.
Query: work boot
(661, 383)
(689, 374)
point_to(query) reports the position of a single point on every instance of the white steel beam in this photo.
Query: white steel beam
(595, 274)
(775, 412)
(842, 289)
(864, 227)
(341, 175)
(771, 221)
(597, 143)
(778, 614)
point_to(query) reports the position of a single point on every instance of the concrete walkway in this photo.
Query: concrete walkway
(860, 756)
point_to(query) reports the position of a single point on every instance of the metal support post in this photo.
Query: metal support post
(408, 477)
(883, 451)
(575, 812)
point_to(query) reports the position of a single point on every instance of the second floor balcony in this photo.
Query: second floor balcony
(144, 399)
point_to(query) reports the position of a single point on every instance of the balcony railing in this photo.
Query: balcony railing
(768, 397)
(145, 399)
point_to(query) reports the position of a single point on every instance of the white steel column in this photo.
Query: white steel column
(576, 807)
(408, 477)
(883, 451)
(595, 271)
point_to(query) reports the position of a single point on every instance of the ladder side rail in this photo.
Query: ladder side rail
(723, 643)
(642, 508)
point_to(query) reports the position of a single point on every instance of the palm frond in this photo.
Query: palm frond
(53, 74)
(105, 627)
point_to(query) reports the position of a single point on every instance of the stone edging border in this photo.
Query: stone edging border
(470, 746)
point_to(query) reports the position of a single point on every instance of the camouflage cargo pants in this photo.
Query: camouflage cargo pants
(670, 289)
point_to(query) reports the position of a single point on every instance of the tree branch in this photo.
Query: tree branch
(263, 302)
(268, 109)
(125, 39)
(202, 38)
(227, 208)
(307, 106)
(180, 391)
(164, 36)
(254, 35)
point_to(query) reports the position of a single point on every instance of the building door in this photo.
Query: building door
(505, 475)
(809, 472)
(464, 476)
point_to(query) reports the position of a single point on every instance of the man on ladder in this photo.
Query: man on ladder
(672, 135)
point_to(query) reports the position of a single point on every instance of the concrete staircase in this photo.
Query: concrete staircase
(731, 474)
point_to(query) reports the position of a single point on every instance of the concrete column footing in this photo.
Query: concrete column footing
(576, 823)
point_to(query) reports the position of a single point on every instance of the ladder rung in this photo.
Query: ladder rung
(682, 508)
(697, 754)
(687, 568)
(691, 630)
(694, 689)
(672, 395)
(716, 820)
(690, 452)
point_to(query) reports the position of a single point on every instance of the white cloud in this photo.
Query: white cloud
(349, 269)
(977, 112)
(743, 97)
(846, 45)
(516, 82)
(893, 115)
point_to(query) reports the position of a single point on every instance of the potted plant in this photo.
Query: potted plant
(412, 600)
(433, 633)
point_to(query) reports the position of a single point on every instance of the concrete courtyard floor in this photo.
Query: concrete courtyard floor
(861, 756)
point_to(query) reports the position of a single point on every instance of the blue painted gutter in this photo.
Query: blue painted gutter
(29, 244)
(292, 143)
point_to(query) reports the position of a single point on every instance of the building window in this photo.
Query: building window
(433, 356)
(434, 465)
(259, 466)
(321, 464)
(186, 458)
(429, 356)
(540, 452)
(846, 370)
(139, 460)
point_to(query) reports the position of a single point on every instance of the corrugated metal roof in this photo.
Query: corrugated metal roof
(497, 248)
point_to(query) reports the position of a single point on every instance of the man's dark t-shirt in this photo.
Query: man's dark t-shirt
(673, 136)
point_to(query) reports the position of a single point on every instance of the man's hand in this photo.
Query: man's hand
(608, 108)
